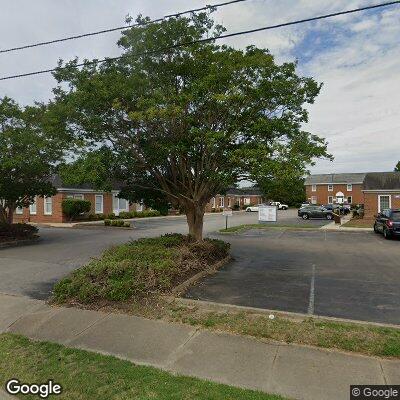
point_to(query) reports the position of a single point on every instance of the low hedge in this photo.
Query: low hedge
(139, 269)
(117, 222)
(17, 231)
(72, 208)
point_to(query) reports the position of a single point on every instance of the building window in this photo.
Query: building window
(229, 202)
(99, 204)
(48, 205)
(384, 202)
(330, 199)
(221, 202)
(33, 207)
(123, 205)
(140, 206)
(330, 188)
(314, 200)
(349, 187)
(19, 211)
(247, 201)
(213, 202)
(314, 188)
(349, 199)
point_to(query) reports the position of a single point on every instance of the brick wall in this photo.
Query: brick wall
(371, 202)
(322, 193)
(230, 201)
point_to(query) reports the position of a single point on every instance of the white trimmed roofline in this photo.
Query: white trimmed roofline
(334, 183)
(381, 190)
(85, 190)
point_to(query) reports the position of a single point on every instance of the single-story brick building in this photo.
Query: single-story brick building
(235, 198)
(376, 190)
(48, 209)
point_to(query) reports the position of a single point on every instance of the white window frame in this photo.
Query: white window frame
(140, 207)
(213, 202)
(349, 187)
(98, 196)
(32, 210)
(330, 188)
(79, 196)
(313, 199)
(379, 201)
(351, 199)
(19, 211)
(247, 201)
(229, 202)
(45, 202)
(221, 202)
(330, 199)
(313, 188)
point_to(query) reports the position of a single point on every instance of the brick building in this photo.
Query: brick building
(49, 209)
(376, 190)
(235, 198)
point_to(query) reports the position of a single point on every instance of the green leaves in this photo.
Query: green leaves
(30, 149)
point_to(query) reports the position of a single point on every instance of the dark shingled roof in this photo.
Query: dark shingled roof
(59, 184)
(335, 178)
(382, 181)
(248, 191)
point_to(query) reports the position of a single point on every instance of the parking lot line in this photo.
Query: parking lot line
(310, 310)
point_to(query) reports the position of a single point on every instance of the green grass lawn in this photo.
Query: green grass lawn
(246, 227)
(85, 375)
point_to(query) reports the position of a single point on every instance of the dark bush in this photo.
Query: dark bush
(72, 208)
(17, 231)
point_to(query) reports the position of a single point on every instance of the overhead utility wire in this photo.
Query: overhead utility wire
(119, 28)
(228, 35)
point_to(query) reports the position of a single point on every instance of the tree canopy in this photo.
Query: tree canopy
(397, 167)
(30, 148)
(187, 122)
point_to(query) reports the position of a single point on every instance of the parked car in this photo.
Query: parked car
(308, 212)
(252, 208)
(279, 205)
(388, 223)
(338, 208)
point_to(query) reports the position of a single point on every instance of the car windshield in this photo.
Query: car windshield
(396, 216)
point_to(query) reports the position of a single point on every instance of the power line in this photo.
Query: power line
(184, 44)
(120, 28)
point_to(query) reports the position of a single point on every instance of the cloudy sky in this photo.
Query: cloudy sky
(357, 57)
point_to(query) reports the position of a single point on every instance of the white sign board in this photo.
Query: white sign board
(267, 213)
(227, 212)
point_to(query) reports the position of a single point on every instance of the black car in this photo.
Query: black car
(338, 209)
(314, 212)
(388, 223)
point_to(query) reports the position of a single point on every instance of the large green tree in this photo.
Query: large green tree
(30, 148)
(188, 121)
(397, 167)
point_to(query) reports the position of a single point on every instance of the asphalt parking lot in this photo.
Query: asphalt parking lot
(337, 274)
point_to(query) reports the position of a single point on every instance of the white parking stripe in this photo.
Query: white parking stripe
(310, 310)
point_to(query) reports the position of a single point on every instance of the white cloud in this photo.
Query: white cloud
(357, 57)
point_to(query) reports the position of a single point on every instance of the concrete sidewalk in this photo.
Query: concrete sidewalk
(293, 371)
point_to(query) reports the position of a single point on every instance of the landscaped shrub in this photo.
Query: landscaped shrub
(72, 208)
(126, 214)
(17, 231)
(107, 222)
(140, 269)
(95, 217)
(111, 216)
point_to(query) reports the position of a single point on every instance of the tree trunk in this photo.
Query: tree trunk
(6, 215)
(195, 218)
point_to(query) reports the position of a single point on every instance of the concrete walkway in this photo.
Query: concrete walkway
(293, 371)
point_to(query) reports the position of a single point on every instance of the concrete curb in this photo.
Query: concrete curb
(181, 289)
(222, 307)
(22, 242)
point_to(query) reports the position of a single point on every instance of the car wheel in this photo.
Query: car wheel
(248, 210)
(376, 229)
(329, 216)
(305, 216)
(386, 234)
(284, 208)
